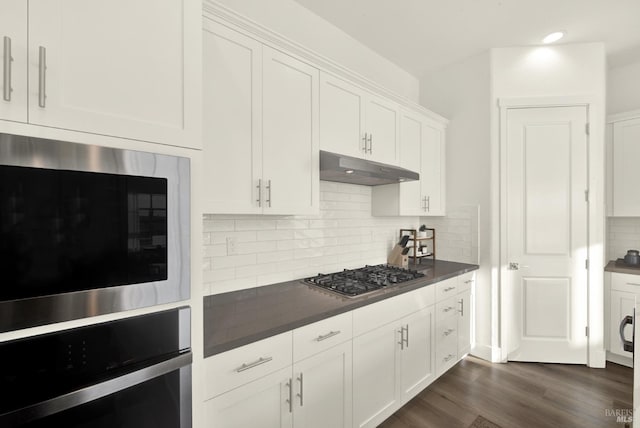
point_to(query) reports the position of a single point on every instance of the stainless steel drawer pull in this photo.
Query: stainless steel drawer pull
(448, 308)
(8, 59)
(469, 281)
(326, 336)
(365, 140)
(448, 357)
(259, 187)
(269, 196)
(300, 379)
(370, 143)
(406, 339)
(259, 362)
(461, 301)
(448, 332)
(42, 77)
(401, 343)
(289, 400)
(449, 288)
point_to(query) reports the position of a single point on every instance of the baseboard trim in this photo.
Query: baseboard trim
(619, 359)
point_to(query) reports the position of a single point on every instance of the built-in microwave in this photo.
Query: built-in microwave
(88, 230)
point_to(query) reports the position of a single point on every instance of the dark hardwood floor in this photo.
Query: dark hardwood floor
(520, 395)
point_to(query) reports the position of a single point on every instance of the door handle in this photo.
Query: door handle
(516, 266)
(627, 345)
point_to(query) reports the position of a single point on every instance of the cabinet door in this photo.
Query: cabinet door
(622, 304)
(13, 45)
(112, 67)
(381, 124)
(464, 323)
(410, 158)
(322, 389)
(263, 402)
(232, 135)
(289, 135)
(626, 157)
(432, 174)
(376, 376)
(341, 116)
(418, 353)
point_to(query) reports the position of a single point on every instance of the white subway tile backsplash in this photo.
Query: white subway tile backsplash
(623, 233)
(344, 235)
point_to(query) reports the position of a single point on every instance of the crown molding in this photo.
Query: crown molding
(226, 16)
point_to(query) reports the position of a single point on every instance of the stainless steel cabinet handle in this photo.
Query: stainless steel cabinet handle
(449, 288)
(364, 139)
(407, 335)
(448, 308)
(469, 281)
(448, 357)
(42, 77)
(401, 343)
(461, 301)
(370, 143)
(424, 203)
(268, 201)
(259, 187)
(301, 393)
(326, 336)
(448, 332)
(289, 400)
(428, 206)
(8, 59)
(256, 363)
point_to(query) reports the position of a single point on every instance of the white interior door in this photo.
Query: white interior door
(546, 176)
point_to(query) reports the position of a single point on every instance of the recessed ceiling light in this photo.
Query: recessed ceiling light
(553, 37)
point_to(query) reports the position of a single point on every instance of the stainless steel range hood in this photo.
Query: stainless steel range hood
(347, 169)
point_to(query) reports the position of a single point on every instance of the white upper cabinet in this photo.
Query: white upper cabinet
(289, 135)
(260, 127)
(626, 158)
(341, 112)
(115, 68)
(421, 150)
(356, 123)
(13, 42)
(432, 174)
(232, 131)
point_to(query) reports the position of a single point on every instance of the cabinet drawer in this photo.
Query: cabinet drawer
(231, 369)
(625, 282)
(446, 330)
(446, 288)
(446, 354)
(447, 308)
(314, 338)
(466, 280)
(378, 314)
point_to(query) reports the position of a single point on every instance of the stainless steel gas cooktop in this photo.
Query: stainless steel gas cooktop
(355, 282)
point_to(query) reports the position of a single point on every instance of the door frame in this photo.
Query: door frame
(595, 218)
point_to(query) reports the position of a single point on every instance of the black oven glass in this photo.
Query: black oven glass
(151, 404)
(63, 231)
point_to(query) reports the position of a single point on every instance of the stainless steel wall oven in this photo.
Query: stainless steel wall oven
(88, 230)
(129, 373)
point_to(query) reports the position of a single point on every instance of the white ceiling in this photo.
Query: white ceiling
(421, 35)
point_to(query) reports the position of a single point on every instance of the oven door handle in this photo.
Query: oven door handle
(93, 392)
(627, 345)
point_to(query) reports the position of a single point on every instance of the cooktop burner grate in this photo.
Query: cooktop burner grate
(355, 282)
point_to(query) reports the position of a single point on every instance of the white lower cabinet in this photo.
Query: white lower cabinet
(263, 402)
(247, 386)
(391, 364)
(623, 291)
(351, 370)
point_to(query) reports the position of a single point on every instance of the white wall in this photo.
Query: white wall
(298, 24)
(461, 92)
(623, 88)
(559, 71)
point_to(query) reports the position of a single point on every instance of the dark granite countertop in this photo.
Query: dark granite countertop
(242, 317)
(614, 266)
